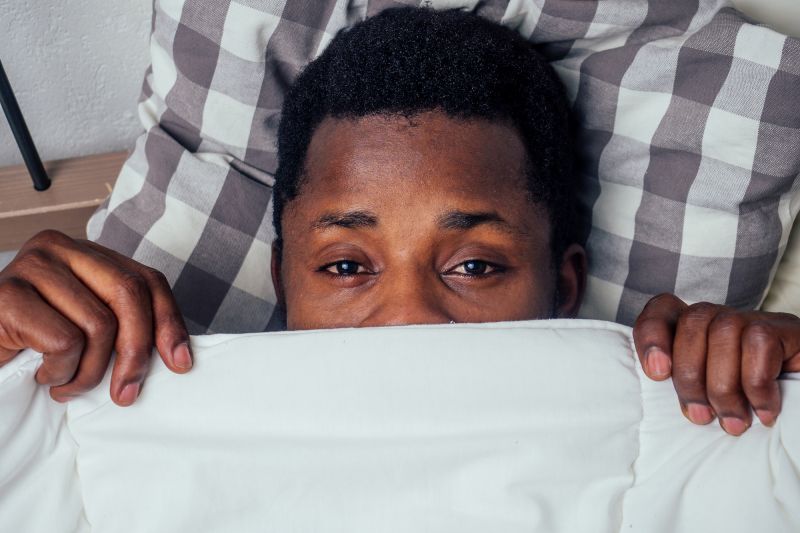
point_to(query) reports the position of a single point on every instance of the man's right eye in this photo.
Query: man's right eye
(344, 268)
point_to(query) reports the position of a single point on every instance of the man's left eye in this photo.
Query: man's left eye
(475, 267)
(344, 268)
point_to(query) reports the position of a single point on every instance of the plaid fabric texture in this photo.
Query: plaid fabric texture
(690, 145)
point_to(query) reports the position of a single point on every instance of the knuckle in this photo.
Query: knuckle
(174, 323)
(130, 355)
(703, 309)
(11, 287)
(757, 381)
(132, 362)
(46, 238)
(724, 390)
(688, 376)
(132, 286)
(155, 277)
(67, 342)
(759, 335)
(34, 260)
(697, 314)
(727, 321)
(101, 323)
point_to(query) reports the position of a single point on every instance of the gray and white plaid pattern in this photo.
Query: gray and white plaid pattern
(689, 145)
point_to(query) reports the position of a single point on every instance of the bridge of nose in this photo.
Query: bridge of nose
(413, 297)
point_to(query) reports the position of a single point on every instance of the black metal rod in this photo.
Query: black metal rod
(23, 137)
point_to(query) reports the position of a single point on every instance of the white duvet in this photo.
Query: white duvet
(531, 426)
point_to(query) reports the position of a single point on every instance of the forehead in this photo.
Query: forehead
(407, 176)
(464, 155)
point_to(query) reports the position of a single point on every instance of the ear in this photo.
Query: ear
(275, 269)
(571, 281)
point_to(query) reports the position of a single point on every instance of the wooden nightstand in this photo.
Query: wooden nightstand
(79, 185)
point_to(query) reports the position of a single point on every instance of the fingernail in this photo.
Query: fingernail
(129, 393)
(181, 357)
(767, 417)
(699, 414)
(658, 363)
(734, 426)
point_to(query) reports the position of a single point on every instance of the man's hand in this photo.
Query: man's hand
(75, 302)
(723, 362)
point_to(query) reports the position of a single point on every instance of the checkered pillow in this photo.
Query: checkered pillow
(690, 131)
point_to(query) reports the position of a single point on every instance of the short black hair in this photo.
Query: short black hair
(406, 61)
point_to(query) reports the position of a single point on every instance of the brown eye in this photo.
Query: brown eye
(476, 267)
(345, 268)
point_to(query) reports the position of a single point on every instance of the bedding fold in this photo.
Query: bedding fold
(529, 426)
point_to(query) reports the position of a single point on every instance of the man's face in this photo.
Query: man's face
(419, 221)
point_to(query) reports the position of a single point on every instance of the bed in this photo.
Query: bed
(436, 432)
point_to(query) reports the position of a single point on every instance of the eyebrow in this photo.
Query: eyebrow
(461, 220)
(452, 220)
(346, 219)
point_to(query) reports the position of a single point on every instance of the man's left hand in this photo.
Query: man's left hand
(724, 363)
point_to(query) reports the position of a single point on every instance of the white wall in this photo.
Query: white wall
(76, 67)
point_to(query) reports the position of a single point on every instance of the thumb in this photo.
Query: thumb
(654, 332)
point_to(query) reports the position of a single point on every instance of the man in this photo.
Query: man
(425, 177)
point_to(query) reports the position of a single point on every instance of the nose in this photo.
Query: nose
(411, 299)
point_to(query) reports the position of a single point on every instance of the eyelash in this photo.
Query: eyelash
(360, 269)
(492, 267)
(327, 268)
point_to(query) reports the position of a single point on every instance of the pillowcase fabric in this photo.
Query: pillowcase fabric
(688, 146)
(459, 428)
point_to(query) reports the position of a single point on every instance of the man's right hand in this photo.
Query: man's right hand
(76, 301)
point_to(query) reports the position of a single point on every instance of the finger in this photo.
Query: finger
(787, 327)
(654, 332)
(171, 335)
(64, 292)
(126, 293)
(762, 360)
(134, 338)
(27, 321)
(689, 361)
(724, 372)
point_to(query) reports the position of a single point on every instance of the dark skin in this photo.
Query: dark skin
(75, 301)
(365, 245)
(394, 224)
